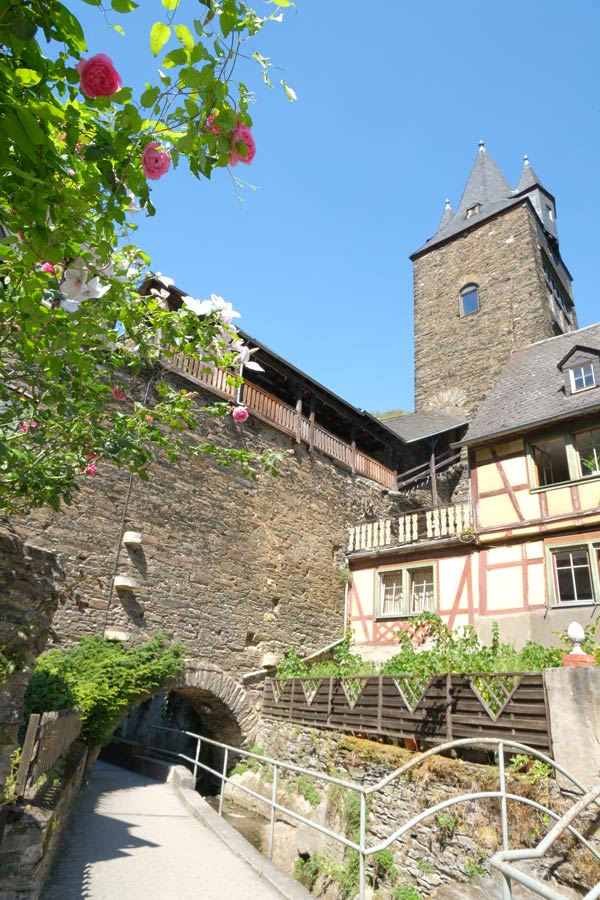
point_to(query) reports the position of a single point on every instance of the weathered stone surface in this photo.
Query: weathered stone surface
(232, 568)
(442, 849)
(29, 591)
(574, 714)
(457, 357)
(34, 831)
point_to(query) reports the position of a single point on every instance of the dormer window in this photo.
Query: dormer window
(469, 300)
(473, 210)
(582, 377)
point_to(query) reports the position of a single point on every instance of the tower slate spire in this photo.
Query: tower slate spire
(447, 215)
(542, 200)
(486, 185)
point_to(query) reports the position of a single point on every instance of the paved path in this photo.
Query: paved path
(131, 839)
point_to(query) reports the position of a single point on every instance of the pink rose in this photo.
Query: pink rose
(210, 125)
(241, 137)
(91, 470)
(155, 162)
(240, 414)
(98, 77)
(149, 420)
(118, 393)
(48, 267)
(25, 426)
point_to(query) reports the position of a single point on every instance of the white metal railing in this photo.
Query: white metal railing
(421, 525)
(501, 860)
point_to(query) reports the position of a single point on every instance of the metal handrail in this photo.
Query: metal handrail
(499, 861)
(502, 860)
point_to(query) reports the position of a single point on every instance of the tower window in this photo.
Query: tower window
(469, 300)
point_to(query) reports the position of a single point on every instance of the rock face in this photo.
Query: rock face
(29, 588)
(491, 889)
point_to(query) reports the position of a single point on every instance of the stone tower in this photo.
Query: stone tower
(490, 280)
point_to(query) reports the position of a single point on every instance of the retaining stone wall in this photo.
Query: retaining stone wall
(440, 850)
(29, 585)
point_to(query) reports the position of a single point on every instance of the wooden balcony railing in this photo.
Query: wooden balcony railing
(420, 525)
(285, 418)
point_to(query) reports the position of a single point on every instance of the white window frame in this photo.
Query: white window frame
(592, 549)
(405, 572)
(579, 372)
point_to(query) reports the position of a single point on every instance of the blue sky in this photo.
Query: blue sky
(392, 101)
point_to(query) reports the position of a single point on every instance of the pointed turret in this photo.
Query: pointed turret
(485, 186)
(447, 217)
(528, 177)
(543, 201)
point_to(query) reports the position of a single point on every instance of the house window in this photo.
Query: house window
(406, 592)
(582, 377)
(473, 210)
(550, 461)
(574, 581)
(587, 448)
(469, 300)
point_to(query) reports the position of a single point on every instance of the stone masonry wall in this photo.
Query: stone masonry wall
(29, 583)
(457, 358)
(234, 569)
(447, 848)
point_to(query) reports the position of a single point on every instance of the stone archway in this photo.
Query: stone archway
(220, 701)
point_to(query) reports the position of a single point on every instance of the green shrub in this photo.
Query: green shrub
(425, 866)
(102, 679)
(308, 790)
(248, 763)
(474, 868)
(458, 650)
(406, 892)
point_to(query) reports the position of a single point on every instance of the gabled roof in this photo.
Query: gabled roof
(578, 348)
(418, 426)
(530, 392)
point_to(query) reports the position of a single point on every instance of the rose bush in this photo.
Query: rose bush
(78, 151)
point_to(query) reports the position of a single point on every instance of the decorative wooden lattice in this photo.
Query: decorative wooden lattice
(278, 689)
(310, 686)
(494, 692)
(353, 688)
(412, 689)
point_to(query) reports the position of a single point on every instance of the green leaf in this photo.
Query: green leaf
(175, 58)
(29, 123)
(290, 93)
(159, 35)
(22, 27)
(28, 76)
(185, 36)
(123, 6)
(149, 97)
(227, 21)
(170, 4)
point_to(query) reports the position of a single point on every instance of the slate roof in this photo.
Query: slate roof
(531, 392)
(485, 186)
(417, 426)
(528, 177)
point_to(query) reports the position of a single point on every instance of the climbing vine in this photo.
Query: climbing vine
(79, 154)
(102, 679)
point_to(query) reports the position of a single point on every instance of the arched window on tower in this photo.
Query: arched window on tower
(469, 300)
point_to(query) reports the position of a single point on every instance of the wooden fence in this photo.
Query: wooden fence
(285, 418)
(431, 710)
(48, 736)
